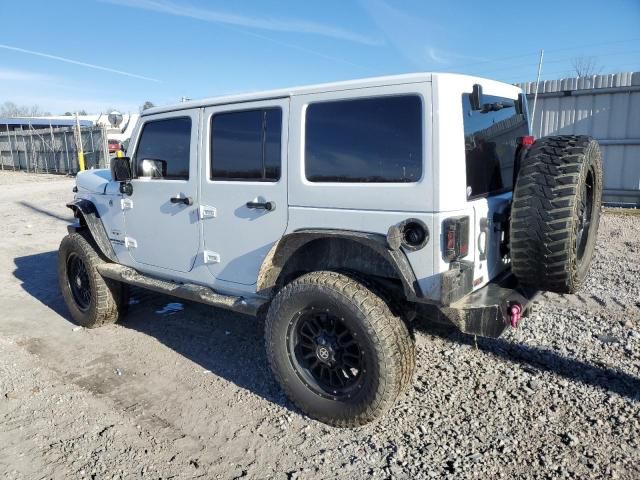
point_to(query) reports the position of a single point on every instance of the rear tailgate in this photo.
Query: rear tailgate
(491, 146)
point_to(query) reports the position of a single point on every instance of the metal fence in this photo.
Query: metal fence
(53, 150)
(607, 107)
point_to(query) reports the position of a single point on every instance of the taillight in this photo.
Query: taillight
(456, 238)
(524, 144)
(527, 140)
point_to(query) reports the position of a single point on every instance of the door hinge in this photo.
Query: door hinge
(207, 211)
(211, 257)
(126, 204)
(130, 242)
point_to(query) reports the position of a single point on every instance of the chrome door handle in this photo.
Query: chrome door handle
(268, 206)
(184, 200)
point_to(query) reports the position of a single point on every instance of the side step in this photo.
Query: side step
(186, 291)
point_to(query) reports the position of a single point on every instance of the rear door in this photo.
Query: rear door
(161, 220)
(491, 142)
(244, 186)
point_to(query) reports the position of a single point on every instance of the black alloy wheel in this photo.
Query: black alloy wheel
(325, 353)
(78, 280)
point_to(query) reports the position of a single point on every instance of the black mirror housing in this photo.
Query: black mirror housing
(121, 169)
(475, 98)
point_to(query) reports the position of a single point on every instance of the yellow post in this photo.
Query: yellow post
(119, 154)
(79, 145)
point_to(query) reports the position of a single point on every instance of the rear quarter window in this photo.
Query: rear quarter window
(364, 140)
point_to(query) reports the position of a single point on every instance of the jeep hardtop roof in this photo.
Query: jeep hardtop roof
(319, 88)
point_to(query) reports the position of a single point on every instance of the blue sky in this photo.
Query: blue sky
(95, 54)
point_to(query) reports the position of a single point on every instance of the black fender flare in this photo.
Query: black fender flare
(288, 245)
(87, 213)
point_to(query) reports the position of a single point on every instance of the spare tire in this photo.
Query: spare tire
(555, 213)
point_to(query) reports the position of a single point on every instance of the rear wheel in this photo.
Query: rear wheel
(91, 299)
(555, 213)
(337, 350)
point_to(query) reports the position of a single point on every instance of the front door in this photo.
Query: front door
(244, 186)
(161, 216)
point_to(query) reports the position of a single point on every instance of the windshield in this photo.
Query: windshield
(491, 141)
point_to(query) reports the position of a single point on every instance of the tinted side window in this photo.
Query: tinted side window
(490, 138)
(246, 145)
(168, 142)
(364, 140)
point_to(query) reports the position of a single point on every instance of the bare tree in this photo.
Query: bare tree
(584, 66)
(10, 109)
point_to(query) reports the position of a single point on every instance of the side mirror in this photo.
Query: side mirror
(121, 169)
(475, 98)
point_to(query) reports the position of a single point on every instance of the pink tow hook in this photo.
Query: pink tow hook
(515, 314)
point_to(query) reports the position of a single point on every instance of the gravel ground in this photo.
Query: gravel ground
(179, 390)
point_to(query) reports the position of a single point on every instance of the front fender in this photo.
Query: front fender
(86, 212)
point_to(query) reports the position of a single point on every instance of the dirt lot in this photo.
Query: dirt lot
(179, 390)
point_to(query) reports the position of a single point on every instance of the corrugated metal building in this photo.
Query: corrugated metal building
(9, 124)
(606, 107)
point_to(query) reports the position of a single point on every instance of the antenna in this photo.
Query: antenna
(535, 96)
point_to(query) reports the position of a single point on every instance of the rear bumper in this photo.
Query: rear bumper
(486, 312)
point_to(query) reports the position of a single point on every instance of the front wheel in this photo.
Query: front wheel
(91, 299)
(337, 350)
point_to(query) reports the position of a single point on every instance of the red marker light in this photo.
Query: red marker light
(527, 140)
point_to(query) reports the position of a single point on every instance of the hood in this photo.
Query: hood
(94, 181)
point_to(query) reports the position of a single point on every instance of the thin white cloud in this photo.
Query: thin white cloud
(418, 40)
(262, 23)
(9, 75)
(300, 48)
(76, 62)
(435, 56)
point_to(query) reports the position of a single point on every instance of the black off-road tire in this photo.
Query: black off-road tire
(387, 348)
(555, 213)
(107, 301)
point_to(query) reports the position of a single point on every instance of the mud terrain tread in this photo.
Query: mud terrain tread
(388, 333)
(108, 296)
(544, 215)
(401, 328)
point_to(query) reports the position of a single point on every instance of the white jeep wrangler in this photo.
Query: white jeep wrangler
(342, 212)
